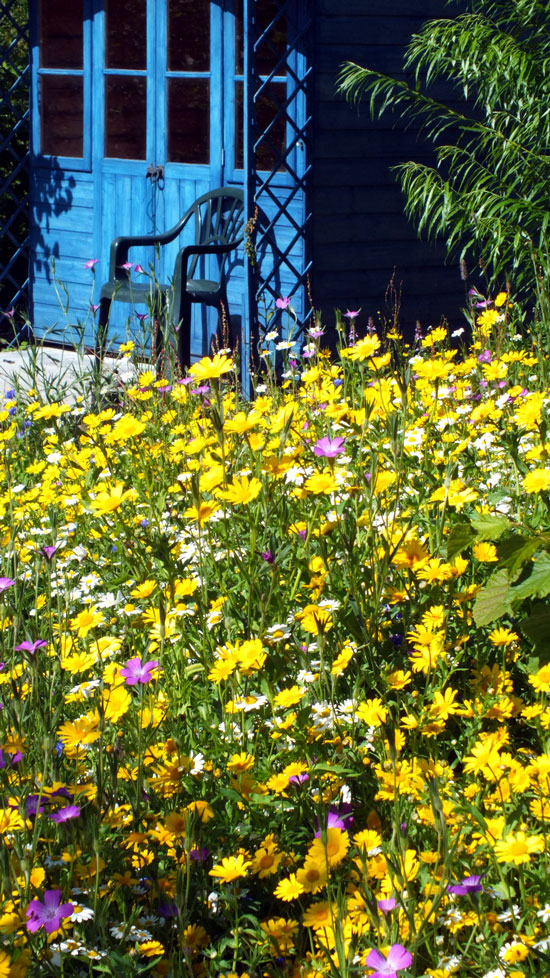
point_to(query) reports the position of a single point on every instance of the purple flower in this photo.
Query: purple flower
(268, 557)
(386, 905)
(136, 671)
(48, 914)
(470, 884)
(31, 647)
(5, 583)
(198, 854)
(48, 552)
(299, 779)
(11, 759)
(32, 806)
(167, 910)
(65, 814)
(398, 958)
(91, 262)
(61, 792)
(282, 303)
(352, 315)
(485, 357)
(328, 447)
(9, 313)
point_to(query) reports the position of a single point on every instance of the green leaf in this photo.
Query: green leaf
(537, 629)
(537, 585)
(504, 891)
(488, 527)
(492, 601)
(460, 536)
(514, 552)
(193, 668)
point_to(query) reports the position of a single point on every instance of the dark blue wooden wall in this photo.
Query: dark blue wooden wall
(359, 231)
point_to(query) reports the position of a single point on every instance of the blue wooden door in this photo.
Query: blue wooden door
(158, 116)
(120, 88)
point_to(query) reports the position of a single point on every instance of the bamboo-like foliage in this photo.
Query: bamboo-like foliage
(488, 193)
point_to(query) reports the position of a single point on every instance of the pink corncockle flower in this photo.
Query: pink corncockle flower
(31, 647)
(135, 671)
(47, 914)
(329, 447)
(91, 262)
(138, 269)
(485, 357)
(353, 314)
(48, 552)
(283, 303)
(127, 266)
(5, 583)
(397, 960)
(333, 822)
(65, 814)
(93, 307)
(9, 313)
(386, 905)
(142, 316)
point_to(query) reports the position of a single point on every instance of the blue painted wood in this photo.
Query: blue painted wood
(80, 205)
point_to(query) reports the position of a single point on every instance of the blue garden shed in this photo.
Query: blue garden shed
(138, 107)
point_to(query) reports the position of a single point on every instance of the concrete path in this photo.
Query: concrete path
(59, 374)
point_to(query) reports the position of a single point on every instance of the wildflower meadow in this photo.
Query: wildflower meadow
(275, 672)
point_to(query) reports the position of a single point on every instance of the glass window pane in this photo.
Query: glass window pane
(273, 145)
(239, 126)
(61, 115)
(189, 120)
(188, 35)
(126, 34)
(239, 41)
(61, 33)
(125, 115)
(272, 46)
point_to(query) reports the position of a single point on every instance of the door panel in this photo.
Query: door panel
(166, 111)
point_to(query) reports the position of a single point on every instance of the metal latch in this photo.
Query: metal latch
(155, 173)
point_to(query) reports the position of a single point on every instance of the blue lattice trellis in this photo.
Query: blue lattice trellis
(278, 191)
(14, 152)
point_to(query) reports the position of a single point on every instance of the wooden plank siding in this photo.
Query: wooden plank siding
(62, 232)
(359, 232)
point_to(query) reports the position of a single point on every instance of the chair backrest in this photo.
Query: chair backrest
(219, 219)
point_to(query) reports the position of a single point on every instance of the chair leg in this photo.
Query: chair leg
(158, 340)
(101, 335)
(184, 335)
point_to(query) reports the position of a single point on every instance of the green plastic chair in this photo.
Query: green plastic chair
(219, 222)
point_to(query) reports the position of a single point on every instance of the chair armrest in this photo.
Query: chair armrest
(121, 246)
